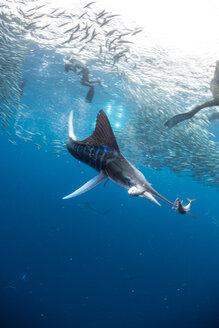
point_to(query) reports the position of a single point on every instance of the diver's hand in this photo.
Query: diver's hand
(99, 82)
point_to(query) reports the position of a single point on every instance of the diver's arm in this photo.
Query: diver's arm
(95, 81)
(86, 83)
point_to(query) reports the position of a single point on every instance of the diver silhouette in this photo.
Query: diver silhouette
(75, 65)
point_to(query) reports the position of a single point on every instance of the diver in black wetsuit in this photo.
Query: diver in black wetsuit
(214, 86)
(77, 66)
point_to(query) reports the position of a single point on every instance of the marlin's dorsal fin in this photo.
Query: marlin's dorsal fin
(103, 134)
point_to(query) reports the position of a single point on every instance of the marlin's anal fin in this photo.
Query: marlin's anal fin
(87, 186)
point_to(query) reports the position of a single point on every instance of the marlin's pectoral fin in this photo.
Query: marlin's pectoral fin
(87, 186)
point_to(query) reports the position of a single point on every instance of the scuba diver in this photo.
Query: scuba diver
(75, 65)
(214, 86)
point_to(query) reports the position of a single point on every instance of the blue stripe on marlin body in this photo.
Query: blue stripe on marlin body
(95, 156)
(95, 166)
(90, 155)
(101, 158)
(84, 149)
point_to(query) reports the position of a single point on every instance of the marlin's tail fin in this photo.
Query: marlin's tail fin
(190, 200)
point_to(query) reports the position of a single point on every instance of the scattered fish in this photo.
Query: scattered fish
(63, 24)
(82, 48)
(89, 4)
(101, 14)
(45, 26)
(94, 34)
(84, 37)
(30, 26)
(111, 32)
(105, 22)
(53, 12)
(124, 41)
(137, 31)
(69, 30)
(117, 56)
(76, 28)
(13, 283)
(37, 145)
(112, 16)
(82, 15)
(39, 16)
(12, 142)
(178, 206)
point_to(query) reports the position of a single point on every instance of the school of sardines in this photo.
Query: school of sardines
(101, 35)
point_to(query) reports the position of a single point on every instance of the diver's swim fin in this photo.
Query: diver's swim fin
(87, 186)
(90, 95)
(177, 119)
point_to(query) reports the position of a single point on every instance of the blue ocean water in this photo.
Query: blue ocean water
(102, 259)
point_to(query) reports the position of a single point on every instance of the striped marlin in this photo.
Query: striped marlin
(101, 152)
